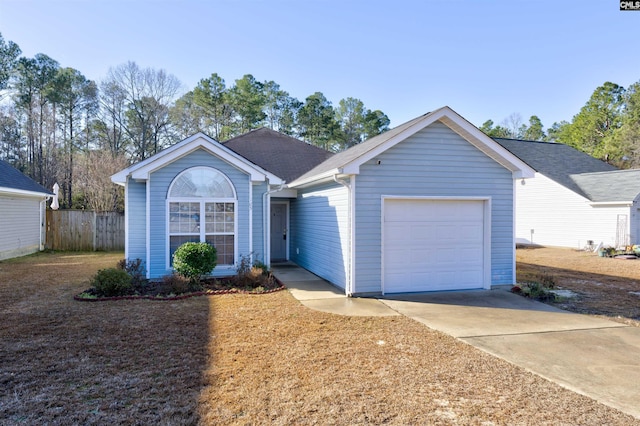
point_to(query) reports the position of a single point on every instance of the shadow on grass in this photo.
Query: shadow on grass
(68, 362)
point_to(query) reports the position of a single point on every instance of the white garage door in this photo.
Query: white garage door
(433, 245)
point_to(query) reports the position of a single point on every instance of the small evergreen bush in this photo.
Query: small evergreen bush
(192, 260)
(111, 282)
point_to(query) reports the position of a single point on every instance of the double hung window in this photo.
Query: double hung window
(202, 208)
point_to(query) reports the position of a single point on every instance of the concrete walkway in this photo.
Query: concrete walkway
(592, 356)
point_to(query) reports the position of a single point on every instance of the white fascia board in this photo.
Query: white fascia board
(484, 143)
(316, 178)
(611, 203)
(143, 173)
(353, 168)
(285, 193)
(462, 127)
(23, 193)
(142, 170)
(120, 178)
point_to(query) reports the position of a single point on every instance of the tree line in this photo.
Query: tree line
(58, 126)
(606, 127)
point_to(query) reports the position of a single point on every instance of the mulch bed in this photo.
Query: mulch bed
(157, 290)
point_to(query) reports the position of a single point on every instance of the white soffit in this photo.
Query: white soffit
(462, 127)
(142, 170)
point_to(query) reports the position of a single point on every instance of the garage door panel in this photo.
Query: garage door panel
(433, 245)
(400, 259)
(422, 256)
(470, 254)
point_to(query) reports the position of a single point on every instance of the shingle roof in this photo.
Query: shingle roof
(556, 161)
(618, 185)
(345, 157)
(282, 155)
(14, 179)
(348, 161)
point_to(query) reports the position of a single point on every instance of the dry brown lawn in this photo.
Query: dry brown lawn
(245, 360)
(604, 286)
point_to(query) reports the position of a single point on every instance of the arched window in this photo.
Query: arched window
(202, 207)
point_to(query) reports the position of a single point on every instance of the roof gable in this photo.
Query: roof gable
(556, 161)
(349, 161)
(13, 180)
(142, 170)
(280, 154)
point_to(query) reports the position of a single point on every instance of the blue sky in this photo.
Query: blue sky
(485, 59)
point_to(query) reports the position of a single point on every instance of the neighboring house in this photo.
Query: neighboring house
(574, 199)
(22, 213)
(425, 206)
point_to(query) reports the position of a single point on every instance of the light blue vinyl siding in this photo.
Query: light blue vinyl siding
(136, 213)
(258, 220)
(435, 162)
(320, 232)
(160, 181)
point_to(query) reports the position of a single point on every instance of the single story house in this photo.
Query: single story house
(575, 200)
(22, 203)
(425, 206)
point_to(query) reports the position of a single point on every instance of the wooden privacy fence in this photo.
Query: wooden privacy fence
(82, 230)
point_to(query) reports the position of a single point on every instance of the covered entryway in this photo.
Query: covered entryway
(279, 219)
(435, 244)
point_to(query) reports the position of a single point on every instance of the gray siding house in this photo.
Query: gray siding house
(425, 206)
(22, 213)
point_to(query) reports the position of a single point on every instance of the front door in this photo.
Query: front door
(278, 232)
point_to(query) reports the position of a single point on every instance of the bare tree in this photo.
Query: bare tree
(138, 102)
(93, 179)
(514, 125)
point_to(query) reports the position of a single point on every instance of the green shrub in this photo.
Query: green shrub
(538, 287)
(135, 269)
(111, 282)
(192, 260)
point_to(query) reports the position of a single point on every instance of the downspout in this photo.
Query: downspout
(267, 221)
(349, 284)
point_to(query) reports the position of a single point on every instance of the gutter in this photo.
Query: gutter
(315, 178)
(349, 270)
(611, 203)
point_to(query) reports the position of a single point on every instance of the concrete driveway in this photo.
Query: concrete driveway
(595, 357)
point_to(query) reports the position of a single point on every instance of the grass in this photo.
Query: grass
(604, 286)
(244, 360)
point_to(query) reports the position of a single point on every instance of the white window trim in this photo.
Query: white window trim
(202, 202)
